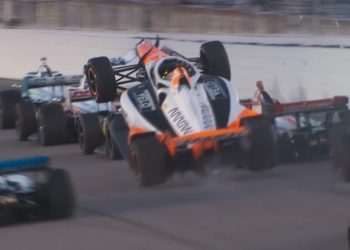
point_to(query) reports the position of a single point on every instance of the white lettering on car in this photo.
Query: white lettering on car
(214, 90)
(207, 117)
(180, 121)
(144, 101)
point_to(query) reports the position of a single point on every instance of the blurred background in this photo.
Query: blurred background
(208, 16)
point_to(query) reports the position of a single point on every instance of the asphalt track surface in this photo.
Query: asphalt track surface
(297, 206)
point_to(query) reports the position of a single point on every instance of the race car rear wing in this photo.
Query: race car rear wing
(281, 109)
(311, 106)
(30, 164)
(53, 81)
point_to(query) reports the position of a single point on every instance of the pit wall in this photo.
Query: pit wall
(89, 14)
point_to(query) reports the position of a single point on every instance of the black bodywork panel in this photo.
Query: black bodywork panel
(309, 141)
(144, 99)
(219, 98)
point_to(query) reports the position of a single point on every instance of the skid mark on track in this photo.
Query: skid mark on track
(157, 231)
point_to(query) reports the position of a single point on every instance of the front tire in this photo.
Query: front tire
(214, 59)
(101, 79)
(148, 159)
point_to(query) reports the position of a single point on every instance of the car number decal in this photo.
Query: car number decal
(214, 90)
(144, 101)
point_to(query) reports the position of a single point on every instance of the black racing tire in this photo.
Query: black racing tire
(336, 133)
(90, 135)
(349, 236)
(119, 132)
(214, 59)
(339, 137)
(112, 150)
(52, 124)
(345, 159)
(58, 199)
(101, 79)
(148, 159)
(26, 123)
(8, 100)
(262, 152)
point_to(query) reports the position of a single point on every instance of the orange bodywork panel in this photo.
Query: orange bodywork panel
(202, 141)
(245, 113)
(154, 54)
(178, 74)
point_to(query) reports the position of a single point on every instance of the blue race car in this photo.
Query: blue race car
(29, 188)
(9, 98)
(48, 104)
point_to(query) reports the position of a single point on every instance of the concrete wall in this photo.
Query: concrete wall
(88, 14)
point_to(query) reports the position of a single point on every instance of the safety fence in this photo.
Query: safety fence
(180, 16)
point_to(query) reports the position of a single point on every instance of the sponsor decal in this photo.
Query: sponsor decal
(144, 101)
(180, 121)
(207, 116)
(80, 94)
(214, 90)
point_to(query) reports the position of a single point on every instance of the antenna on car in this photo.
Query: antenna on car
(157, 41)
(43, 60)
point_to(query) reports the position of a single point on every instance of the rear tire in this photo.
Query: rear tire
(90, 135)
(349, 236)
(8, 100)
(340, 144)
(101, 79)
(112, 150)
(214, 59)
(148, 160)
(58, 199)
(262, 153)
(52, 124)
(26, 123)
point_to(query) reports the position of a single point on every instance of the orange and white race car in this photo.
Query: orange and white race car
(180, 112)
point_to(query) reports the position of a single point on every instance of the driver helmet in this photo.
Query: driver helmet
(174, 71)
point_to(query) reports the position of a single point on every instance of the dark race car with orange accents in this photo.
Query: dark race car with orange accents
(306, 130)
(180, 113)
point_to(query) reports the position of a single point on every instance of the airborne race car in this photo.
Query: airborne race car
(29, 188)
(181, 111)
